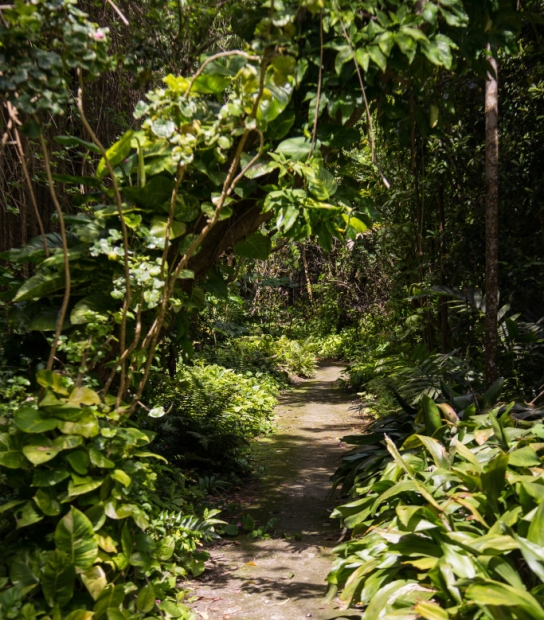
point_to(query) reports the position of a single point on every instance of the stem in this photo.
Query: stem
(319, 83)
(119, 203)
(13, 115)
(67, 281)
(367, 107)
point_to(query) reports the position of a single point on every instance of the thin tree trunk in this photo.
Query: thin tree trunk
(491, 220)
(444, 326)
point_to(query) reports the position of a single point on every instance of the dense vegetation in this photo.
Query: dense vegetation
(202, 199)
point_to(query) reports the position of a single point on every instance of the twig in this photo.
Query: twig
(67, 281)
(124, 231)
(13, 115)
(119, 12)
(319, 82)
(367, 107)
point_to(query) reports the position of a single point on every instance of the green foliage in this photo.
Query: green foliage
(42, 42)
(443, 526)
(82, 513)
(212, 412)
(278, 356)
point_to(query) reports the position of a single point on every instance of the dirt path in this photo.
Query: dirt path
(283, 578)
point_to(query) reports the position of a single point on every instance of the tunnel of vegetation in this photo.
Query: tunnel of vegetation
(202, 199)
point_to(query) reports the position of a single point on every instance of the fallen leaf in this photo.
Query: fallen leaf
(251, 564)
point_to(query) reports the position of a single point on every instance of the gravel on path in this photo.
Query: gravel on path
(284, 578)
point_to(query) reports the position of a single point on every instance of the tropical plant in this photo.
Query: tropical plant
(446, 516)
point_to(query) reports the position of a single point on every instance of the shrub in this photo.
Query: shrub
(83, 532)
(212, 412)
(281, 357)
(447, 516)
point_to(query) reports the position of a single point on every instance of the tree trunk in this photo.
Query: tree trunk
(444, 325)
(491, 220)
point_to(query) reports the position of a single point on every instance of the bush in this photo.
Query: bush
(212, 412)
(447, 515)
(281, 357)
(88, 526)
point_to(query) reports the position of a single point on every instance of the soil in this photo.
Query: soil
(283, 578)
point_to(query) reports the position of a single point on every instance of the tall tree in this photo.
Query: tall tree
(492, 217)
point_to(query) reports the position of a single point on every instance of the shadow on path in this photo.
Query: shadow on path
(284, 578)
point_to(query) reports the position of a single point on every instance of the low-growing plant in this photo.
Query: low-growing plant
(280, 357)
(81, 532)
(446, 515)
(212, 413)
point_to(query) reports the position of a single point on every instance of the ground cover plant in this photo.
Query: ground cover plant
(445, 514)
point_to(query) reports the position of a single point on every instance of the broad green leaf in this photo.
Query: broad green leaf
(295, 148)
(39, 285)
(54, 381)
(27, 515)
(524, 457)
(79, 460)
(40, 450)
(536, 528)
(106, 543)
(47, 503)
(11, 504)
(73, 141)
(95, 580)
(122, 477)
(431, 415)
(81, 614)
(89, 308)
(279, 128)
(31, 420)
(67, 442)
(496, 593)
(363, 58)
(494, 478)
(87, 426)
(172, 609)
(111, 597)
(10, 456)
(115, 154)
(146, 599)
(83, 396)
(97, 516)
(436, 450)
(321, 182)
(431, 611)
(89, 485)
(24, 570)
(377, 56)
(344, 54)
(156, 192)
(49, 477)
(159, 227)
(533, 554)
(256, 246)
(98, 459)
(210, 84)
(58, 579)
(499, 431)
(167, 546)
(74, 536)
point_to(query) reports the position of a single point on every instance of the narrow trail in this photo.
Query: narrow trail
(284, 578)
